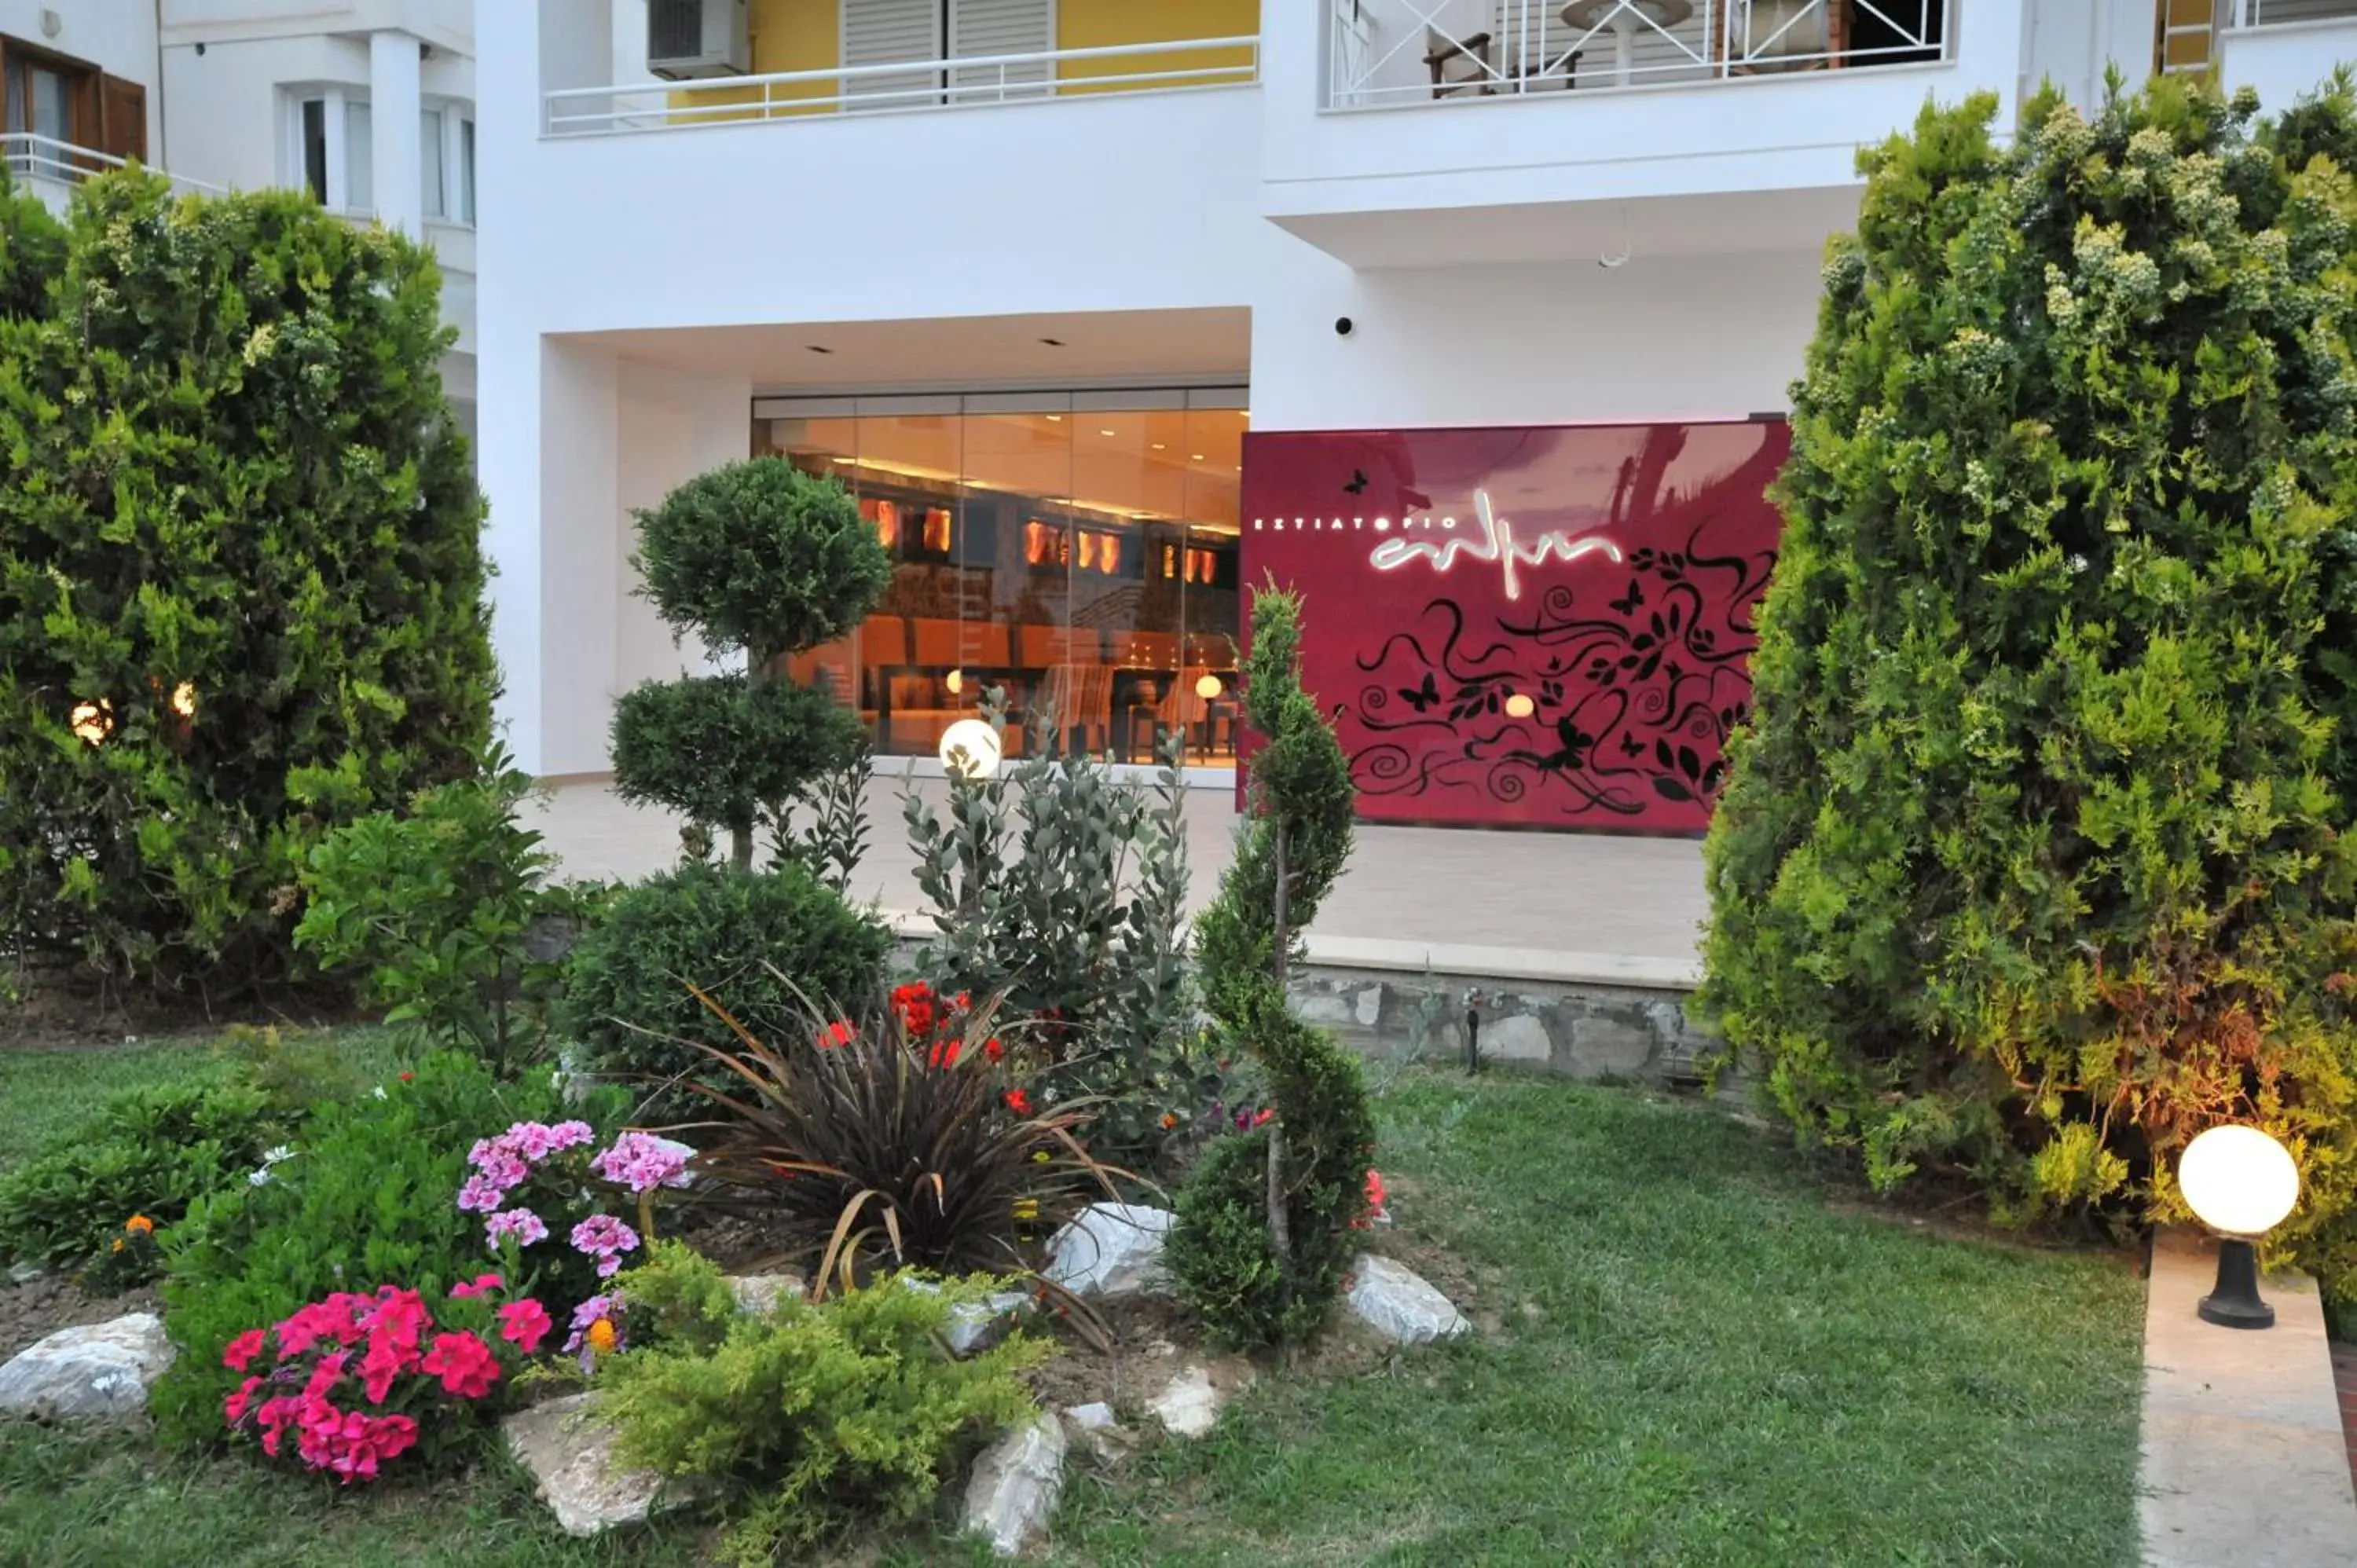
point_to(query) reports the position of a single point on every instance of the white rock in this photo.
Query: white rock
(1097, 1417)
(1398, 1305)
(1016, 1483)
(758, 1293)
(1095, 1425)
(1112, 1249)
(25, 1274)
(570, 1453)
(976, 1325)
(1189, 1407)
(100, 1369)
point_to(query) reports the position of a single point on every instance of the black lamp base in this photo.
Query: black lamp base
(2235, 1303)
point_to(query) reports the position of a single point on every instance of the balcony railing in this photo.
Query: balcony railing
(2243, 14)
(1386, 53)
(904, 86)
(29, 155)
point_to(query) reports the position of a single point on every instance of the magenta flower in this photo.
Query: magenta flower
(642, 1162)
(520, 1223)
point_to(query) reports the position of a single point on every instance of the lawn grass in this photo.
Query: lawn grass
(1692, 1350)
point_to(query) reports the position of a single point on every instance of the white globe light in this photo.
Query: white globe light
(1520, 706)
(1208, 687)
(970, 749)
(955, 681)
(2239, 1180)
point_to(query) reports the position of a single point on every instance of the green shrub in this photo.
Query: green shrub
(760, 942)
(296, 1069)
(811, 1418)
(239, 533)
(761, 557)
(152, 1152)
(2035, 860)
(898, 1136)
(369, 1198)
(1263, 1237)
(1061, 890)
(439, 909)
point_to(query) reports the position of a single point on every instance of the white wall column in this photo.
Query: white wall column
(396, 168)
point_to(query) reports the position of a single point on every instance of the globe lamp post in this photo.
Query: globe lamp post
(2241, 1183)
(970, 749)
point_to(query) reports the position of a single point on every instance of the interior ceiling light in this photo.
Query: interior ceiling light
(1199, 457)
(1158, 445)
(1104, 432)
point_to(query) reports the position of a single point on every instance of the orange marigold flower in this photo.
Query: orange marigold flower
(1168, 1120)
(601, 1337)
(140, 1223)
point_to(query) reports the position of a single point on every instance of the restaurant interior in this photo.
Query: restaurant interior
(1077, 550)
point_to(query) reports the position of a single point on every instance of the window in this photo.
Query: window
(315, 148)
(56, 112)
(360, 160)
(466, 171)
(429, 164)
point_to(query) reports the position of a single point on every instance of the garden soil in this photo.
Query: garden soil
(32, 1310)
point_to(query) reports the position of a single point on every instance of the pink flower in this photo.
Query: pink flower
(482, 1284)
(234, 1406)
(520, 1223)
(570, 1135)
(326, 1375)
(382, 1363)
(525, 1323)
(530, 1139)
(274, 1414)
(464, 1363)
(604, 1237)
(644, 1162)
(242, 1351)
(480, 1195)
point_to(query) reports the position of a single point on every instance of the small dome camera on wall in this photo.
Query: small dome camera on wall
(1342, 327)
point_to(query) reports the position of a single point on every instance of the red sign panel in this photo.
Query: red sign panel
(1534, 627)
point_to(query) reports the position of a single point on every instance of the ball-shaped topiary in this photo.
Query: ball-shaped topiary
(769, 946)
(2035, 860)
(241, 581)
(759, 556)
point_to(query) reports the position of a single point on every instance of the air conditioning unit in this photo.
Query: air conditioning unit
(688, 38)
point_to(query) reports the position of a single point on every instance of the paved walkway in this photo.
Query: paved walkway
(2245, 1461)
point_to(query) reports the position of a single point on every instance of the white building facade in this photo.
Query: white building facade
(368, 103)
(1069, 290)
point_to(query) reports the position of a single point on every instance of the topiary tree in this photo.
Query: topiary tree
(759, 556)
(2034, 861)
(240, 574)
(1262, 1236)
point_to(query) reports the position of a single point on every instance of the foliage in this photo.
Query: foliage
(368, 1199)
(814, 1417)
(1062, 890)
(239, 533)
(2034, 862)
(441, 907)
(768, 943)
(727, 752)
(832, 840)
(420, 1383)
(895, 1139)
(761, 557)
(149, 1151)
(1298, 1181)
(295, 1069)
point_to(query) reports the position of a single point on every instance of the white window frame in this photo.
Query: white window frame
(457, 179)
(457, 186)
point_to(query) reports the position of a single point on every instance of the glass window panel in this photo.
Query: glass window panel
(52, 106)
(360, 160)
(1208, 573)
(315, 147)
(18, 94)
(466, 171)
(429, 163)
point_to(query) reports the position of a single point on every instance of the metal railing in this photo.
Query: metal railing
(29, 155)
(2240, 14)
(898, 87)
(1385, 53)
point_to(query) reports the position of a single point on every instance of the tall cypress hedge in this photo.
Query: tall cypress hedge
(2036, 861)
(238, 535)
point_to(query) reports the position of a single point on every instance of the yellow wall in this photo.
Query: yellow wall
(787, 35)
(806, 35)
(1101, 24)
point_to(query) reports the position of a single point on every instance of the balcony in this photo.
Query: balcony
(1430, 132)
(2284, 48)
(51, 169)
(906, 86)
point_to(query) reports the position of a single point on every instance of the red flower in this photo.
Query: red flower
(242, 1350)
(523, 1324)
(482, 1284)
(1262, 1115)
(234, 1406)
(945, 1053)
(325, 1376)
(838, 1033)
(407, 1075)
(1018, 1103)
(464, 1363)
(1375, 1193)
(382, 1363)
(917, 1008)
(993, 1049)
